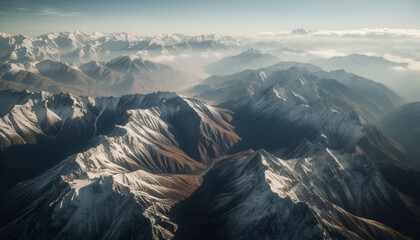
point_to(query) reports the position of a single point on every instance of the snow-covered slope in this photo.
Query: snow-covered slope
(22, 49)
(126, 147)
(156, 166)
(160, 132)
(288, 152)
(263, 196)
(68, 202)
(236, 202)
(282, 115)
(341, 184)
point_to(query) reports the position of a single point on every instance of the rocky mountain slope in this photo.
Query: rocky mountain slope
(403, 124)
(295, 157)
(172, 134)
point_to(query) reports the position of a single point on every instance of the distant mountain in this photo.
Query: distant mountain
(372, 90)
(83, 47)
(224, 88)
(392, 74)
(85, 54)
(370, 99)
(403, 125)
(17, 78)
(249, 59)
(100, 71)
(21, 49)
(142, 76)
(63, 73)
(358, 63)
(121, 75)
(289, 54)
(37, 63)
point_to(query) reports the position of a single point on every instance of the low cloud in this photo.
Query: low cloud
(210, 55)
(326, 53)
(412, 65)
(353, 33)
(399, 69)
(370, 54)
(164, 59)
(276, 33)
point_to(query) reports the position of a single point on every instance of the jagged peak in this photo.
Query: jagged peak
(127, 60)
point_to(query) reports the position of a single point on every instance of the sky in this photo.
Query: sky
(237, 18)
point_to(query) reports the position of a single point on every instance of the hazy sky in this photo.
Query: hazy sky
(237, 17)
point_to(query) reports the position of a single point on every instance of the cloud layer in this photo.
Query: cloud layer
(354, 33)
(412, 65)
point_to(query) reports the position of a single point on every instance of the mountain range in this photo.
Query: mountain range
(371, 99)
(395, 72)
(99, 63)
(121, 75)
(359, 64)
(298, 153)
(95, 143)
(81, 46)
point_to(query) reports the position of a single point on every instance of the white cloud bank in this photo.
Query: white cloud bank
(412, 65)
(354, 33)
(326, 53)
